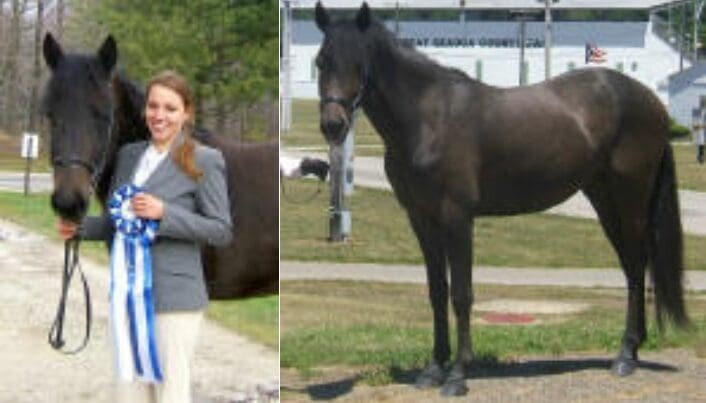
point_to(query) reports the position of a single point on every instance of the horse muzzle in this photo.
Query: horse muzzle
(70, 205)
(335, 130)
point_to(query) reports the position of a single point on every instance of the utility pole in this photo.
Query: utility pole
(286, 66)
(698, 8)
(462, 17)
(682, 25)
(522, 16)
(341, 177)
(523, 40)
(547, 39)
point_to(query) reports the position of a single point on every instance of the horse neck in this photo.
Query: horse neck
(395, 85)
(128, 127)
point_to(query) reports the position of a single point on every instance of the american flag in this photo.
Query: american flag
(594, 54)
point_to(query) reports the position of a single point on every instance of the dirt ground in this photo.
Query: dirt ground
(227, 367)
(677, 375)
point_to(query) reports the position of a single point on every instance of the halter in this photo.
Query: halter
(94, 170)
(349, 105)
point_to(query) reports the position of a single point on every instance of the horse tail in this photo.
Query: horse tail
(666, 258)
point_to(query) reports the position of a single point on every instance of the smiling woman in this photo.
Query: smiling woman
(175, 200)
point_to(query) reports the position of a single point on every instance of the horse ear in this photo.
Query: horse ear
(108, 53)
(52, 51)
(362, 19)
(322, 18)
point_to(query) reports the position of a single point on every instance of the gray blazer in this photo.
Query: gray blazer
(195, 213)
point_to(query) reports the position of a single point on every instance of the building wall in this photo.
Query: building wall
(682, 103)
(630, 46)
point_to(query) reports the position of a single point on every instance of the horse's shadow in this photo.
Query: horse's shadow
(488, 368)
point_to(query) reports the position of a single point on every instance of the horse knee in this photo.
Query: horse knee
(462, 303)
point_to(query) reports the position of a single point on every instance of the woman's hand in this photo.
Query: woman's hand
(66, 229)
(144, 205)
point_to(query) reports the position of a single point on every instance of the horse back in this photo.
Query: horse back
(515, 150)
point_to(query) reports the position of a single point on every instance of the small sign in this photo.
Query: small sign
(30, 145)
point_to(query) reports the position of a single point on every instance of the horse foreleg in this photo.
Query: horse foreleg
(458, 247)
(429, 236)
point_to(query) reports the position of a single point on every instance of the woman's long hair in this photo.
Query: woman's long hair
(183, 152)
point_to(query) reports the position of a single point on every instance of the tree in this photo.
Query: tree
(37, 75)
(11, 108)
(226, 49)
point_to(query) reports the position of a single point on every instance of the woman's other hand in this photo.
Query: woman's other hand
(66, 229)
(144, 205)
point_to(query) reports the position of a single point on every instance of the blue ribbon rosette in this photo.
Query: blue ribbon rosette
(131, 303)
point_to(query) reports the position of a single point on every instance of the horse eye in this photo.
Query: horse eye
(99, 114)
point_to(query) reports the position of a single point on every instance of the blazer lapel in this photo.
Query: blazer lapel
(160, 174)
(127, 168)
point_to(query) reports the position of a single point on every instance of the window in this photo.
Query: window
(570, 66)
(633, 67)
(314, 70)
(525, 73)
(479, 70)
(620, 66)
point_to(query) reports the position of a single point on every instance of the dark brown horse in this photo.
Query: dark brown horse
(456, 149)
(94, 111)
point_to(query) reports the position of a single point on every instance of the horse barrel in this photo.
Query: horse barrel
(250, 264)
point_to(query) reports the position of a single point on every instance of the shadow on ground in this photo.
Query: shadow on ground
(488, 368)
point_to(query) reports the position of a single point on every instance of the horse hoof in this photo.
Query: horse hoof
(623, 366)
(455, 387)
(430, 377)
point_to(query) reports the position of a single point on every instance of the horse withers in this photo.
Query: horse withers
(456, 149)
(93, 111)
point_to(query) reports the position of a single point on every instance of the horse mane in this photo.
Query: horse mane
(128, 109)
(408, 53)
(128, 126)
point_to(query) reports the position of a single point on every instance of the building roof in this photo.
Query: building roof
(489, 4)
(687, 77)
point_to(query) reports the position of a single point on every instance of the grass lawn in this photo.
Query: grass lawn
(379, 328)
(305, 130)
(691, 175)
(256, 318)
(381, 234)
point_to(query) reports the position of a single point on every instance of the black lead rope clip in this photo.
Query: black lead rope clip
(71, 264)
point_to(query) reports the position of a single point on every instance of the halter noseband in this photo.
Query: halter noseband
(349, 105)
(74, 162)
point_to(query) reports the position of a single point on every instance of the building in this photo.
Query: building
(483, 39)
(685, 91)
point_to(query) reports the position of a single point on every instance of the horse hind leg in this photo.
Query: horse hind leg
(429, 237)
(622, 209)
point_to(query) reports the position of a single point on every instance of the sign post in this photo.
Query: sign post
(30, 151)
(341, 176)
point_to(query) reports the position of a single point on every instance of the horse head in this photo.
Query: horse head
(78, 105)
(343, 70)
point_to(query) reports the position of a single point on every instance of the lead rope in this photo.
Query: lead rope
(71, 264)
(303, 200)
